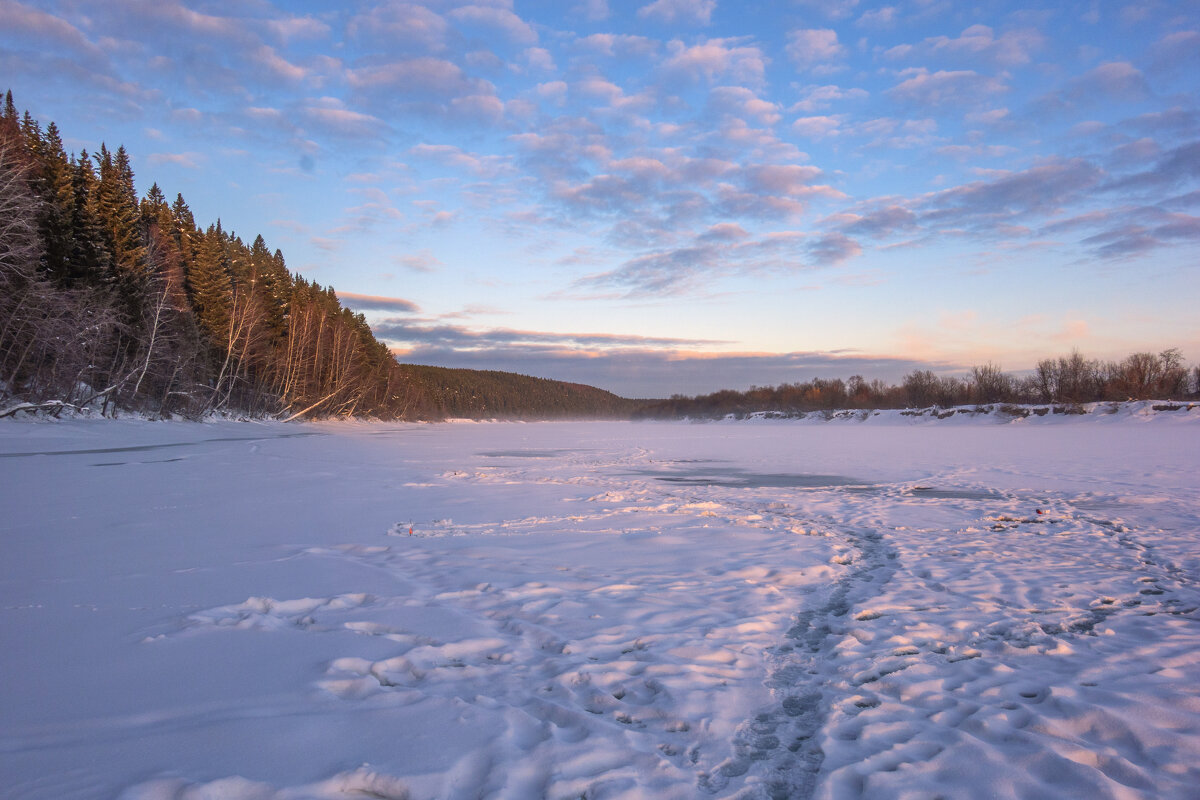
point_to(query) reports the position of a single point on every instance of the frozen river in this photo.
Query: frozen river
(886, 609)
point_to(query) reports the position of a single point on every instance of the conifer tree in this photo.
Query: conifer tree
(211, 287)
(89, 262)
(117, 209)
(58, 201)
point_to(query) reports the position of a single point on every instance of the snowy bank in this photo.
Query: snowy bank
(1000, 413)
(601, 610)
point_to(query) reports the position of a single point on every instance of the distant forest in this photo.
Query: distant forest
(113, 302)
(485, 394)
(1070, 380)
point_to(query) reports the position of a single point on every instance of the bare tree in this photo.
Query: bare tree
(989, 384)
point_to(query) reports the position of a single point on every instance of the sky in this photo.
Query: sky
(671, 196)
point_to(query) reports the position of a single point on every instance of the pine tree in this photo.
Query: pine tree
(115, 205)
(89, 261)
(211, 287)
(268, 283)
(58, 203)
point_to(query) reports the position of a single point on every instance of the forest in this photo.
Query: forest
(1068, 381)
(116, 302)
(488, 394)
(119, 303)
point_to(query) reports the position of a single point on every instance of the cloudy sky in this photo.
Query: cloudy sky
(659, 196)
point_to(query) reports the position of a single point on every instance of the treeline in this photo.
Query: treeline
(440, 392)
(1070, 380)
(113, 301)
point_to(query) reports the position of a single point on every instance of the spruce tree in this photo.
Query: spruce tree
(117, 209)
(89, 262)
(211, 287)
(56, 222)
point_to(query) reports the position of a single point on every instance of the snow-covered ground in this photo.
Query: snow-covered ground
(786, 609)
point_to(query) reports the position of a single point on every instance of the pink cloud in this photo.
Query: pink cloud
(814, 46)
(421, 76)
(331, 116)
(499, 19)
(1010, 49)
(693, 12)
(396, 25)
(716, 58)
(945, 87)
(818, 97)
(740, 101)
(188, 160)
(816, 127)
(33, 23)
(373, 302)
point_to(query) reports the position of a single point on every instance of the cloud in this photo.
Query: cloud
(978, 42)
(884, 17)
(593, 10)
(416, 77)
(497, 19)
(540, 58)
(33, 25)
(1005, 205)
(397, 27)
(961, 87)
(286, 29)
(231, 42)
(1174, 120)
(672, 12)
(725, 232)
(880, 222)
(808, 46)
(821, 97)
(432, 332)
(893, 133)
(1177, 166)
(740, 101)
(421, 261)
(616, 44)
(715, 58)
(833, 249)
(833, 9)
(1043, 188)
(1114, 81)
(332, 117)
(723, 249)
(1177, 52)
(975, 152)
(794, 180)
(1136, 232)
(644, 372)
(187, 160)
(371, 302)
(450, 155)
(816, 127)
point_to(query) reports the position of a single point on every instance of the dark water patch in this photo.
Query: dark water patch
(527, 453)
(931, 493)
(123, 463)
(141, 448)
(732, 477)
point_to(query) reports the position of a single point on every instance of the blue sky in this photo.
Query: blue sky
(677, 195)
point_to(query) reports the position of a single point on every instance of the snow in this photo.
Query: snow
(901, 607)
